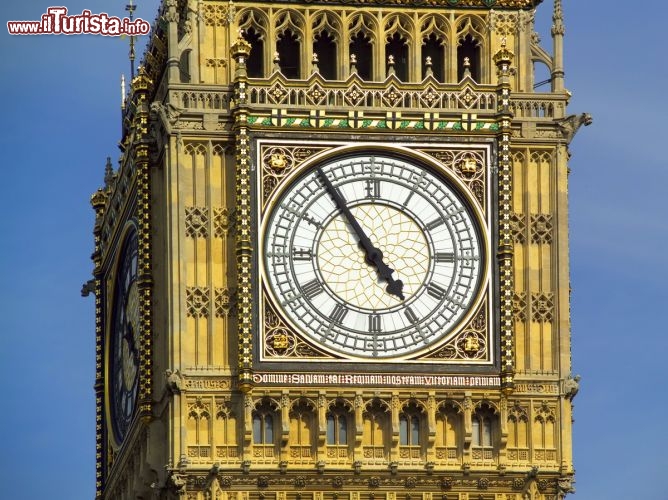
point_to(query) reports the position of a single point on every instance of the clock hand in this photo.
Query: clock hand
(373, 255)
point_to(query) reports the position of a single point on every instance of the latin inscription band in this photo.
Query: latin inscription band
(353, 380)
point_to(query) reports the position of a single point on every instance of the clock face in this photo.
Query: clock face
(373, 257)
(124, 342)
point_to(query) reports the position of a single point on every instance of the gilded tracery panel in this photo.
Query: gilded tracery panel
(401, 24)
(326, 22)
(434, 24)
(290, 20)
(279, 161)
(254, 18)
(473, 26)
(364, 23)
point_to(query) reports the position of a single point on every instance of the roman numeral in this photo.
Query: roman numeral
(436, 291)
(312, 289)
(374, 323)
(410, 315)
(338, 314)
(372, 188)
(444, 257)
(302, 253)
(435, 223)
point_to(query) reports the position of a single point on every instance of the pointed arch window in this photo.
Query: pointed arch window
(361, 48)
(409, 430)
(397, 47)
(483, 433)
(263, 428)
(324, 45)
(376, 428)
(255, 63)
(289, 50)
(468, 56)
(434, 51)
(337, 429)
(448, 433)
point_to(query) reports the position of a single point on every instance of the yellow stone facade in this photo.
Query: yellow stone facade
(209, 391)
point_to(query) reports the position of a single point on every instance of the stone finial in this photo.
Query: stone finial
(241, 49)
(558, 27)
(467, 67)
(314, 62)
(109, 174)
(427, 62)
(353, 63)
(277, 62)
(390, 65)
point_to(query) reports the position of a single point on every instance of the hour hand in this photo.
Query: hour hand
(373, 255)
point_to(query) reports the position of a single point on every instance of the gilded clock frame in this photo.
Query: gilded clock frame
(472, 345)
(111, 283)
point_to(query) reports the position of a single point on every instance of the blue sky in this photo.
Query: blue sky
(61, 119)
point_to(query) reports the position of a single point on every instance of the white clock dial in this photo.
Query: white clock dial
(332, 288)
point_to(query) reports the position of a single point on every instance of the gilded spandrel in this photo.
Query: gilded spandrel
(401, 330)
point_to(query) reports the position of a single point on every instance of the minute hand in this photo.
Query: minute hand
(373, 255)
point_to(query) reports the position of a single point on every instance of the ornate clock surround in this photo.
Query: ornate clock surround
(472, 347)
(126, 261)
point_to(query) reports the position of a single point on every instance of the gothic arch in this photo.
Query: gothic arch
(518, 433)
(362, 43)
(539, 157)
(399, 43)
(362, 22)
(195, 149)
(287, 19)
(326, 21)
(401, 24)
(303, 420)
(254, 25)
(326, 44)
(435, 24)
(376, 421)
(449, 437)
(251, 17)
(470, 43)
(226, 428)
(485, 403)
(341, 402)
(420, 406)
(290, 43)
(434, 30)
(198, 429)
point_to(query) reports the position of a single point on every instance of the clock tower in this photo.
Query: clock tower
(333, 261)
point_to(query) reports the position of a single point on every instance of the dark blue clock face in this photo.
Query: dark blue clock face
(124, 341)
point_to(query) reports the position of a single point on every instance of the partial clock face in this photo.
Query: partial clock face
(372, 256)
(124, 344)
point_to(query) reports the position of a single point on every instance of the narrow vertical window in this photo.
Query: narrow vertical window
(409, 430)
(476, 431)
(289, 49)
(263, 429)
(361, 48)
(433, 49)
(268, 429)
(486, 432)
(337, 429)
(255, 63)
(257, 429)
(468, 53)
(403, 430)
(325, 48)
(331, 430)
(397, 47)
